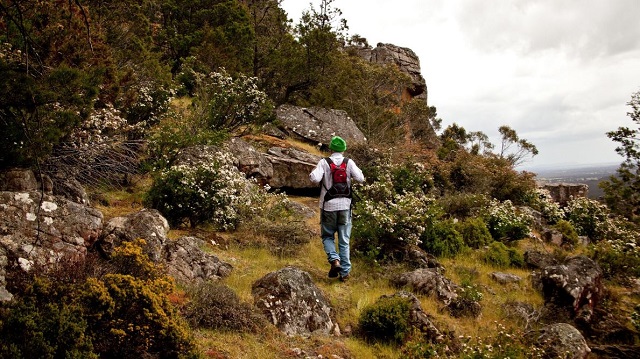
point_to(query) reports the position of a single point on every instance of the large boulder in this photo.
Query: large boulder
(185, 261)
(291, 168)
(428, 281)
(293, 303)
(560, 340)
(317, 125)
(147, 224)
(18, 180)
(41, 230)
(576, 285)
(405, 59)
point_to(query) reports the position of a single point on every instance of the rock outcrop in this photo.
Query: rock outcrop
(406, 60)
(428, 281)
(39, 229)
(279, 167)
(293, 303)
(317, 125)
(563, 192)
(575, 285)
(560, 340)
(185, 260)
(147, 224)
(418, 319)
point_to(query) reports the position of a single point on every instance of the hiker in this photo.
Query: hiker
(335, 173)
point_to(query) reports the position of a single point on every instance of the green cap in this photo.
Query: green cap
(338, 144)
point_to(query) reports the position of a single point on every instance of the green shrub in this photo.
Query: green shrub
(45, 322)
(442, 239)
(411, 177)
(207, 192)
(569, 233)
(500, 256)
(543, 202)
(474, 232)
(618, 259)
(505, 222)
(462, 205)
(65, 313)
(387, 320)
(215, 306)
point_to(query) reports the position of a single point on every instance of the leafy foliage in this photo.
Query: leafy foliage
(501, 256)
(474, 232)
(387, 320)
(215, 306)
(72, 314)
(622, 192)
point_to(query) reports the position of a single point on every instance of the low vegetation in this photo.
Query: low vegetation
(112, 93)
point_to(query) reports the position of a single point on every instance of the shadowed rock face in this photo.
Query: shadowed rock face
(293, 303)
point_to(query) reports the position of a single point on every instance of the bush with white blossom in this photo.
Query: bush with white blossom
(385, 222)
(506, 222)
(213, 191)
(230, 103)
(589, 217)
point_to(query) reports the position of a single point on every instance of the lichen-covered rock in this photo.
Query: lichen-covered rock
(560, 340)
(42, 230)
(147, 224)
(185, 260)
(428, 281)
(576, 284)
(293, 303)
(318, 125)
(18, 180)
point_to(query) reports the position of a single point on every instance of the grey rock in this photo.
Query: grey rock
(428, 281)
(406, 60)
(552, 236)
(418, 319)
(18, 180)
(147, 224)
(560, 340)
(505, 278)
(185, 260)
(293, 303)
(318, 125)
(291, 168)
(576, 284)
(538, 260)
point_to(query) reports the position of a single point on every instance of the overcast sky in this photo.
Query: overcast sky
(559, 72)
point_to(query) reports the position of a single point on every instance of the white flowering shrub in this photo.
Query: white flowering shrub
(550, 209)
(231, 103)
(389, 218)
(214, 192)
(505, 222)
(589, 217)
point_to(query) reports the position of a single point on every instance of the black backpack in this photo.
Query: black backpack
(339, 186)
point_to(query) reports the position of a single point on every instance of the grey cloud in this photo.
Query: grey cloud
(585, 28)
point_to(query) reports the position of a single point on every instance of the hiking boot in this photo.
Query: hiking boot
(344, 278)
(335, 269)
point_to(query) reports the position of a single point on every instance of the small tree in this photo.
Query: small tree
(513, 148)
(622, 192)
